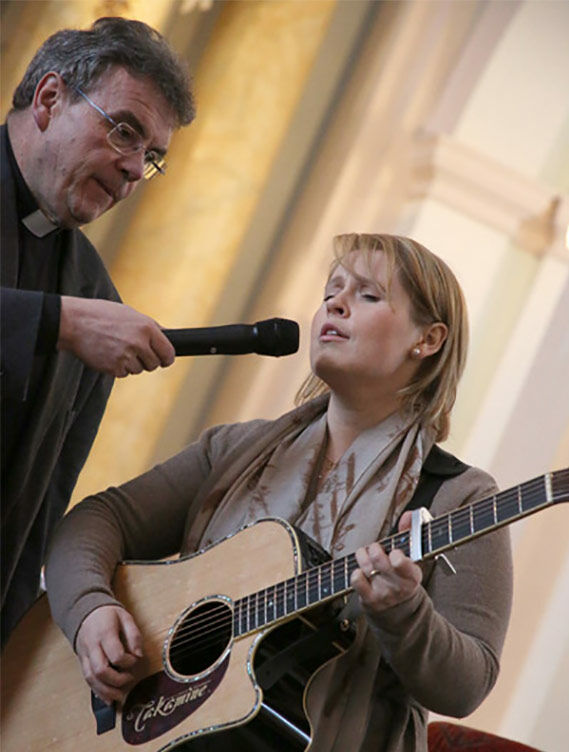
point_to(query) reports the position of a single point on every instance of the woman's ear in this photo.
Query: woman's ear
(48, 92)
(433, 338)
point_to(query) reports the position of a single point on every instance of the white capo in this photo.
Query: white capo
(418, 519)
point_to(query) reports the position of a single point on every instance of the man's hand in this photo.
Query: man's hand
(109, 646)
(112, 337)
(382, 580)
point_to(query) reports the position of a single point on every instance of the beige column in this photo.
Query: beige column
(179, 250)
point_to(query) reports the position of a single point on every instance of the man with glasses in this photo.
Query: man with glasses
(92, 117)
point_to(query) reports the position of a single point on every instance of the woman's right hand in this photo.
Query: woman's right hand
(109, 646)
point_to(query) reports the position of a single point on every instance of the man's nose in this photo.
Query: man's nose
(132, 166)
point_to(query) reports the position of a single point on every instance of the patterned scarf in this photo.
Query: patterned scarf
(358, 502)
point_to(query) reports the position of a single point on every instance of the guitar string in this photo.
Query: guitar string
(189, 631)
(259, 608)
(510, 496)
(226, 617)
(257, 611)
(256, 608)
(399, 540)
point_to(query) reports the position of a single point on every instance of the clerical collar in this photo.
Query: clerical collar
(39, 224)
(32, 217)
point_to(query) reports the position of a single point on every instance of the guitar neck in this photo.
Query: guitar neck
(331, 579)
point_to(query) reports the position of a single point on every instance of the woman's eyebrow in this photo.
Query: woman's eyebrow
(337, 279)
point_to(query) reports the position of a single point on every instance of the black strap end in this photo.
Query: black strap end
(105, 715)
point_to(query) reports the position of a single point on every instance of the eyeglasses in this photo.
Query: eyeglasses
(124, 139)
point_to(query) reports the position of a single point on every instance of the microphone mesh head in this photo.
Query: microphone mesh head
(277, 337)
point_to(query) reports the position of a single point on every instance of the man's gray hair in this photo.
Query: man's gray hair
(82, 57)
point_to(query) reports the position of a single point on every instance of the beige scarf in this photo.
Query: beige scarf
(360, 499)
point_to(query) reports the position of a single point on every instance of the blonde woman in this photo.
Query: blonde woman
(388, 346)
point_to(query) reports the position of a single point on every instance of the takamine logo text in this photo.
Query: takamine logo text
(159, 703)
(164, 706)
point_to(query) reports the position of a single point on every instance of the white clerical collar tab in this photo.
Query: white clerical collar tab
(38, 224)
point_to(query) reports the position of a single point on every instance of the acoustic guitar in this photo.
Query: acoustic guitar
(233, 637)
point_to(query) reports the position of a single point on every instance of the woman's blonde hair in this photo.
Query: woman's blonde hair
(435, 296)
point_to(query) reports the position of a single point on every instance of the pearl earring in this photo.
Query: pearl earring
(416, 352)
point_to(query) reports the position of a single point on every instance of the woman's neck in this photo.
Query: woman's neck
(347, 419)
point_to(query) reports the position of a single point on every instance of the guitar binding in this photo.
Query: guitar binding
(192, 649)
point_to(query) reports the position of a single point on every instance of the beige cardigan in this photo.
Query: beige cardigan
(437, 651)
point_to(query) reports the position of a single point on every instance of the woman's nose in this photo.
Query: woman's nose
(337, 304)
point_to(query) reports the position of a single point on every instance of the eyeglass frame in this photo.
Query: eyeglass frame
(159, 167)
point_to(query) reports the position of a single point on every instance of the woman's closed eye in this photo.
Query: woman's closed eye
(373, 295)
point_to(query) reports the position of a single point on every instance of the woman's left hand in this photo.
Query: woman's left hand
(382, 580)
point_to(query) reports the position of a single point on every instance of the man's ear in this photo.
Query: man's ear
(434, 337)
(49, 91)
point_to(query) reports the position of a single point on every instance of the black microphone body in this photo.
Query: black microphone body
(271, 337)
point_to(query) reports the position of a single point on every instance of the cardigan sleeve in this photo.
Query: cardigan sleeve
(444, 643)
(142, 519)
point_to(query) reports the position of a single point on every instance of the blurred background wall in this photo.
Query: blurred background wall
(444, 120)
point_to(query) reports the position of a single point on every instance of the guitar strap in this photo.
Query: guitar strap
(437, 467)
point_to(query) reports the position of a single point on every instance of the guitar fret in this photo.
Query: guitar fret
(494, 510)
(303, 593)
(312, 576)
(269, 606)
(258, 609)
(264, 607)
(509, 507)
(326, 580)
(253, 610)
(339, 575)
(290, 604)
(471, 520)
(548, 491)
(278, 601)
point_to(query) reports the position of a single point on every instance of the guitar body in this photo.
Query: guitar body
(233, 636)
(198, 691)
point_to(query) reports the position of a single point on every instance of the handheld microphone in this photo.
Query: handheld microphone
(271, 337)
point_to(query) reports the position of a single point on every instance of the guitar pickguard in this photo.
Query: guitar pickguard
(159, 703)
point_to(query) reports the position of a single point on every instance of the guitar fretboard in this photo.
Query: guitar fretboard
(331, 579)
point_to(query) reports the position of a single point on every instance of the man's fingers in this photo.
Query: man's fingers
(163, 348)
(112, 337)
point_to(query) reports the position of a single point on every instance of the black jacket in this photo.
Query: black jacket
(67, 406)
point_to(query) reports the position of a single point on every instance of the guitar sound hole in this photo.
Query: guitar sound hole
(201, 638)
